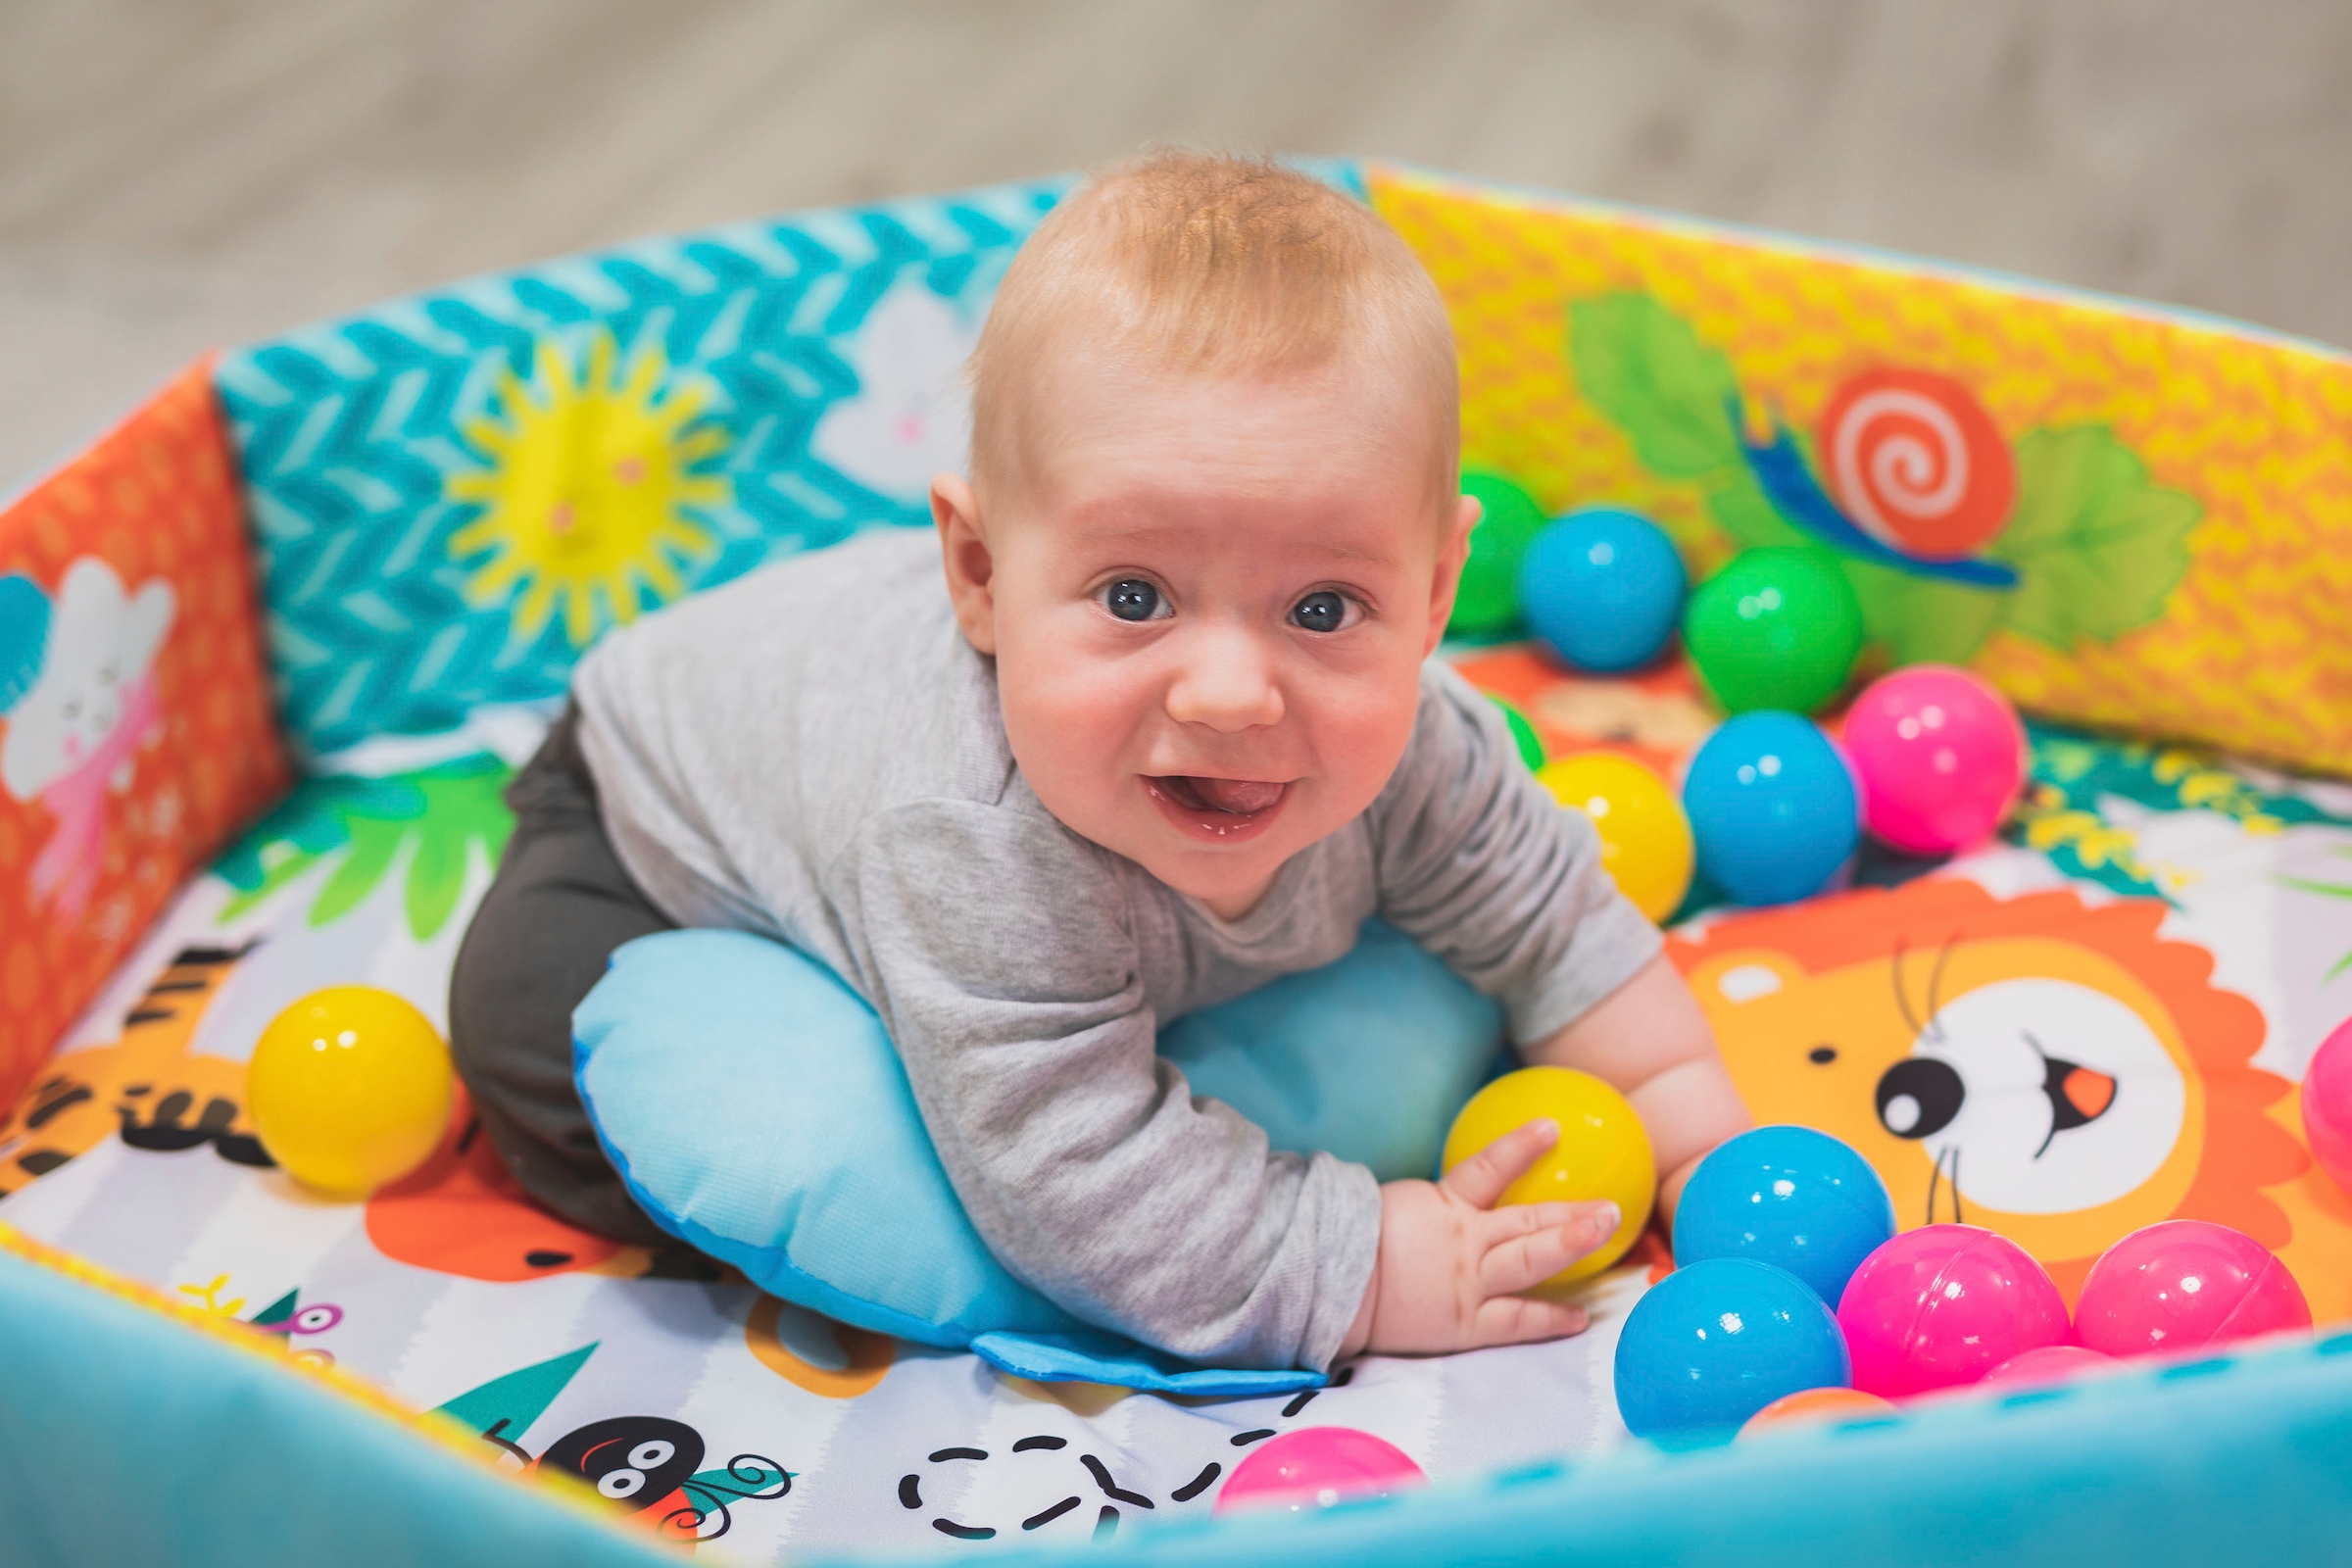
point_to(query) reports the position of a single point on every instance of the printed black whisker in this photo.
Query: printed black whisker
(1111, 1488)
(1935, 988)
(1903, 1003)
(1050, 1514)
(1198, 1484)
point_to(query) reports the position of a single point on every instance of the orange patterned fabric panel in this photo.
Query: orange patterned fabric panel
(2123, 516)
(137, 730)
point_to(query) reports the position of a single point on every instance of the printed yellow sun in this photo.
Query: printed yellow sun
(585, 493)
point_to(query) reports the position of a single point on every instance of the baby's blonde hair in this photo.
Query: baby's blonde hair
(1216, 266)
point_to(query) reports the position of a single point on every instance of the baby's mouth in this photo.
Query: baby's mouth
(1224, 810)
(1236, 796)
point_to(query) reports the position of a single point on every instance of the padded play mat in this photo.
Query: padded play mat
(270, 651)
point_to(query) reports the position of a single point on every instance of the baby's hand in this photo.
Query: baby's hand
(1452, 1265)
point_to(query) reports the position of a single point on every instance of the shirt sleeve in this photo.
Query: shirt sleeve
(1478, 863)
(1004, 962)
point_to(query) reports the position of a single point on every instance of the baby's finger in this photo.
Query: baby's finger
(1521, 1258)
(1481, 1179)
(1522, 1319)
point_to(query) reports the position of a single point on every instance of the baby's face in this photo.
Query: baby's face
(1208, 604)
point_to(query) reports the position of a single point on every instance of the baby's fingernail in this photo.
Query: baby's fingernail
(1607, 1219)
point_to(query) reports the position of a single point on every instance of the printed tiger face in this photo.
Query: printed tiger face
(146, 1085)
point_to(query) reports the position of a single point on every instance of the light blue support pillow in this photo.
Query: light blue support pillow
(756, 1110)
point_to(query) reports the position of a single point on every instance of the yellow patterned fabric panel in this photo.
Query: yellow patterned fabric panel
(2123, 516)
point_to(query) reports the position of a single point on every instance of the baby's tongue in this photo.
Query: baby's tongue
(1239, 796)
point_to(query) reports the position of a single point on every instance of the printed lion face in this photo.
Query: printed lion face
(2042, 1067)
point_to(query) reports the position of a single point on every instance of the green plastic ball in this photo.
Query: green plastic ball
(1523, 732)
(1775, 628)
(1487, 604)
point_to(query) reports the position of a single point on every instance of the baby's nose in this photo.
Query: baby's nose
(1227, 683)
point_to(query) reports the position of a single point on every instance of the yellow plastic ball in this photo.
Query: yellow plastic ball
(349, 1088)
(1644, 837)
(1603, 1150)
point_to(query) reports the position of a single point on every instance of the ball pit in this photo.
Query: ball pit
(1602, 589)
(1941, 754)
(1940, 1307)
(1775, 627)
(349, 1088)
(1603, 1150)
(1714, 1342)
(1646, 840)
(1772, 807)
(1790, 1197)
(1315, 1467)
(2182, 1285)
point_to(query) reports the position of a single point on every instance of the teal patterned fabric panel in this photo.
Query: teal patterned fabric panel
(453, 493)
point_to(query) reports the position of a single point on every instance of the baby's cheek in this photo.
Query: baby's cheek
(1068, 720)
(1360, 729)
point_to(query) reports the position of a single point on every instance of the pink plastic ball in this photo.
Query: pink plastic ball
(2182, 1285)
(1315, 1467)
(1941, 756)
(2051, 1364)
(2327, 1104)
(1942, 1305)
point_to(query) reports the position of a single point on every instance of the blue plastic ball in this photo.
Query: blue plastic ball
(1790, 1197)
(1713, 1343)
(1773, 807)
(1601, 588)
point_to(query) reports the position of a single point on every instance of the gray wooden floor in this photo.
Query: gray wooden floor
(180, 175)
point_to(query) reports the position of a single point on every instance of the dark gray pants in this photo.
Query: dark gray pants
(539, 943)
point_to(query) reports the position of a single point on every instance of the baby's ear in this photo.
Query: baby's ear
(1452, 551)
(963, 553)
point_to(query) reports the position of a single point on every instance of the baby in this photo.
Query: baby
(1169, 729)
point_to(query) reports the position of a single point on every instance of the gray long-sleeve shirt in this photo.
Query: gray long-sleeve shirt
(815, 753)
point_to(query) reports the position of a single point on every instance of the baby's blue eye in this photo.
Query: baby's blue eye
(1133, 599)
(1322, 610)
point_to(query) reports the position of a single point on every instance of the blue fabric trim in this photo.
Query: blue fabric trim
(1093, 1357)
(128, 1437)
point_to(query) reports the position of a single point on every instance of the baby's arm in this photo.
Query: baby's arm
(1650, 1039)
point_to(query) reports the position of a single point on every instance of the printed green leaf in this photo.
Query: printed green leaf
(442, 814)
(374, 845)
(1741, 509)
(1923, 619)
(465, 805)
(1645, 368)
(2097, 547)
